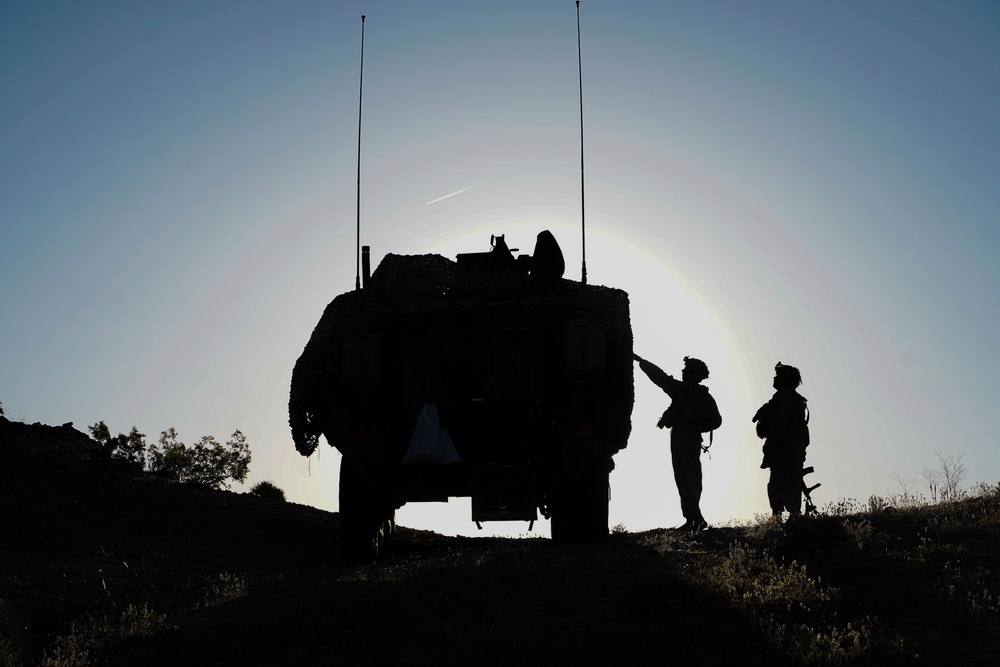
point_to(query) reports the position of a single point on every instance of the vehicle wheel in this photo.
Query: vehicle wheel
(365, 519)
(580, 506)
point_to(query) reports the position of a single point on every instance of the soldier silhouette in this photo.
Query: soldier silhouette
(783, 423)
(692, 411)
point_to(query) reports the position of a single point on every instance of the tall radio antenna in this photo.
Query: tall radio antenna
(583, 207)
(361, 88)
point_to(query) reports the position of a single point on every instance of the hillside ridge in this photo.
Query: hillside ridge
(104, 564)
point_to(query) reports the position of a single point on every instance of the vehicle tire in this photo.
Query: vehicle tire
(365, 519)
(580, 506)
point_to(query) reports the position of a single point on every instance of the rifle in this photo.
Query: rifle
(806, 490)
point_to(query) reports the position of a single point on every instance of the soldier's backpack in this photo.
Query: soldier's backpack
(697, 409)
(705, 412)
(707, 416)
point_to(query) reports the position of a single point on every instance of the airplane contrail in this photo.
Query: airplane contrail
(458, 192)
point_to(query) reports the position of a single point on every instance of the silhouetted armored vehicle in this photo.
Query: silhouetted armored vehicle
(490, 377)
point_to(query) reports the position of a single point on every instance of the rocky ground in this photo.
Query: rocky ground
(104, 564)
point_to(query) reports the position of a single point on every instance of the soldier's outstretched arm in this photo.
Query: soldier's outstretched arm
(655, 373)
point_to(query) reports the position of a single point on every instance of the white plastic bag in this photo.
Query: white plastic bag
(430, 442)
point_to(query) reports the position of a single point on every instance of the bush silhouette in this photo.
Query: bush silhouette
(130, 448)
(266, 489)
(208, 462)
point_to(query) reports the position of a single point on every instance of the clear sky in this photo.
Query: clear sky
(810, 182)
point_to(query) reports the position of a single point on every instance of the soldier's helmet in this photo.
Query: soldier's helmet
(696, 369)
(787, 376)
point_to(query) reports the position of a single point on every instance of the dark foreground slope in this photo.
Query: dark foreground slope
(106, 565)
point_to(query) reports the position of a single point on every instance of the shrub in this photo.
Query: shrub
(89, 636)
(208, 462)
(212, 463)
(224, 588)
(169, 456)
(761, 583)
(266, 489)
(794, 610)
(130, 448)
(945, 481)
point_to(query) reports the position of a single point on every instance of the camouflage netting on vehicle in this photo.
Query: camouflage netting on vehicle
(405, 286)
